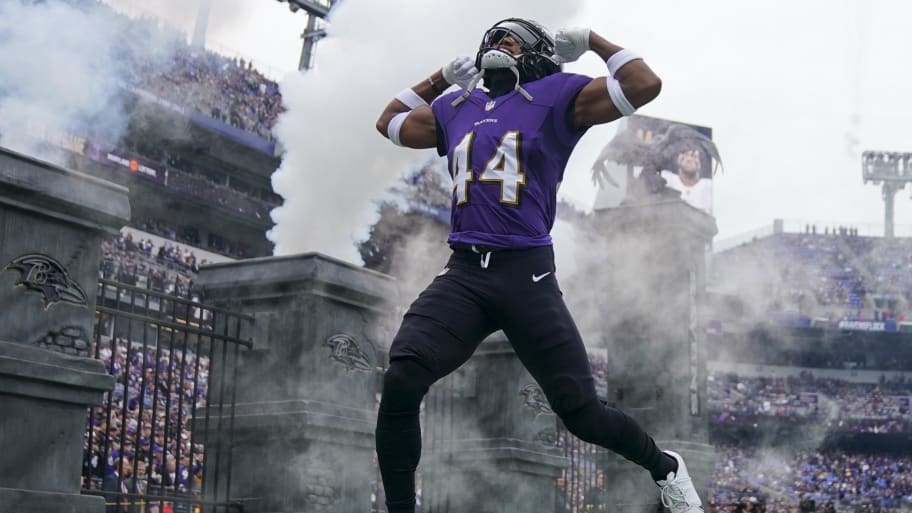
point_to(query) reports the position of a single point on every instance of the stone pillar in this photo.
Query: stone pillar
(52, 221)
(489, 438)
(307, 391)
(655, 257)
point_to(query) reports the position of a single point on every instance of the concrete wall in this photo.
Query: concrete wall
(52, 221)
(655, 254)
(307, 391)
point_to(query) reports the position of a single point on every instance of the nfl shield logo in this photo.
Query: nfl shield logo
(489, 105)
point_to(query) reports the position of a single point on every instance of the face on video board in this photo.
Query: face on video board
(681, 153)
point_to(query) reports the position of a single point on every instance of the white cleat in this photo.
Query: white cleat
(677, 490)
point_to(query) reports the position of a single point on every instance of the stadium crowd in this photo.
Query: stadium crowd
(754, 480)
(140, 439)
(167, 269)
(227, 89)
(190, 235)
(143, 442)
(840, 405)
(836, 274)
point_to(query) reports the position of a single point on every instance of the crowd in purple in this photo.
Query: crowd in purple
(228, 89)
(753, 480)
(167, 268)
(146, 441)
(145, 445)
(834, 273)
(756, 480)
(838, 404)
(189, 235)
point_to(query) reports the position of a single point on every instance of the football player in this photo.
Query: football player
(507, 147)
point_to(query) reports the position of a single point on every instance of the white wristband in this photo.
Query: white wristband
(618, 98)
(395, 124)
(410, 98)
(616, 61)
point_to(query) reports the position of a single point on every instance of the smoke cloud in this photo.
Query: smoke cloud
(66, 66)
(335, 162)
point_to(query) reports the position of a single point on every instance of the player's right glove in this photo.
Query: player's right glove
(460, 71)
(570, 44)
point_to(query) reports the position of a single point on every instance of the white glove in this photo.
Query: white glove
(460, 71)
(570, 44)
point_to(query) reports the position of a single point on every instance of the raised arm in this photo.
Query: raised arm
(630, 83)
(408, 119)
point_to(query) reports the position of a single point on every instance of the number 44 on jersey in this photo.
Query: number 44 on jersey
(503, 166)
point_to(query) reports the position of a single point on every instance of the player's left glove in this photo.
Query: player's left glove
(570, 44)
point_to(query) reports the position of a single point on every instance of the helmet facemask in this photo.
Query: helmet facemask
(503, 71)
(535, 60)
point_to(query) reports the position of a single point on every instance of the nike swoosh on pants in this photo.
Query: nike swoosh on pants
(540, 277)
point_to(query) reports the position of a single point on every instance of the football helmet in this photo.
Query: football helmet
(536, 60)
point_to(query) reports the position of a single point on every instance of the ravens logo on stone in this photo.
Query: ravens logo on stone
(344, 350)
(46, 276)
(534, 399)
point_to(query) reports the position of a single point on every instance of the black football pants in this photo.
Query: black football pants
(515, 291)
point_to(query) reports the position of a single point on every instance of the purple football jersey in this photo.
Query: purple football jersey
(506, 156)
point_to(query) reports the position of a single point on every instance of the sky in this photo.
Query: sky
(794, 92)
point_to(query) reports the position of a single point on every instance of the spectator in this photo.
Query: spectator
(802, 481)
(841, 276)
(842, 405)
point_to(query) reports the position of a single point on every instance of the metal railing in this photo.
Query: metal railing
(175, 361)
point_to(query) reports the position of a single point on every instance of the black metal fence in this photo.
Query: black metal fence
(581, 488)
(158, 441)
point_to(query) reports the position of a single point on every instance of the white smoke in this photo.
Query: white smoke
(564, 236)
(64, 69)
(335, 162)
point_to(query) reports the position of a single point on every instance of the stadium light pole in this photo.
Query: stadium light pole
(891, 170)
(198, 42)
(315, 9)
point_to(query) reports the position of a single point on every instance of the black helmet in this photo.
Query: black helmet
(536, 60)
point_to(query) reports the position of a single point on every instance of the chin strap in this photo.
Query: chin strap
(468, 90)
(493, 59)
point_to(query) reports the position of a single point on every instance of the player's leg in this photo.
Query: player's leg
(547, 341)
(441, 330)
(549, 345)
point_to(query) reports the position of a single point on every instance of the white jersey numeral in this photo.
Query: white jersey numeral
(504, 166)
(460, 170)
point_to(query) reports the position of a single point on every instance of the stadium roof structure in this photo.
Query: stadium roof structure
(891, 170)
